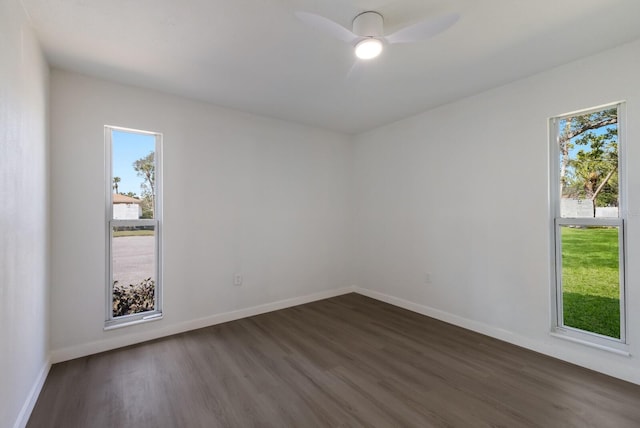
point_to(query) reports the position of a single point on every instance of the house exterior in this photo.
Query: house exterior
(126, 207)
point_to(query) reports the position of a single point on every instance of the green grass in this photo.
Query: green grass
(590, 280)
(119, 233)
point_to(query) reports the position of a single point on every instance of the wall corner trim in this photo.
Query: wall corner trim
(32, 397)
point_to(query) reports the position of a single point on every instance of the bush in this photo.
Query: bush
(133, 298)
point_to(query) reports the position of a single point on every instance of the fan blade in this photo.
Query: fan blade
(328, 26)
(423, 30)
(356, 71)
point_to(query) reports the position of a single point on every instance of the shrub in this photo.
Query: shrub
(133, 298)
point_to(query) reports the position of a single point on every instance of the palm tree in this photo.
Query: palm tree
(116, 180)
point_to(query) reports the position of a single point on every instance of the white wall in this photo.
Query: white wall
(426, 191)
(23, 216)
(242, 193)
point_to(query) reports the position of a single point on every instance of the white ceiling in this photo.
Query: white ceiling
(255, 56)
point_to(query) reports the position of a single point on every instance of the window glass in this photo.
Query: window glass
(133, 225)
(588, 146)
(134, 175)
(591, 279)
(133, 252)
(588, 233)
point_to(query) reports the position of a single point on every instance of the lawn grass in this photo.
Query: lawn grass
(590, 280)
(119, 233)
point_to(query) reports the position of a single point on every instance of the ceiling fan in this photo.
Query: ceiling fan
(367, 33)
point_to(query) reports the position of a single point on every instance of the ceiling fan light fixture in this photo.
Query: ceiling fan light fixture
(368, 48)
(367, 34)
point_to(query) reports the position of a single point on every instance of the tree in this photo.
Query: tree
(592, 171)
(146, 168)
(116, 180)
(579, 127)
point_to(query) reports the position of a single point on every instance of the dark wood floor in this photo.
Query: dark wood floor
(341, 362)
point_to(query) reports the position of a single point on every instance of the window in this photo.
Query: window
(588, 227)
(133, 226)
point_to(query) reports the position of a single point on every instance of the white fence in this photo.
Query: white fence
(583, 208)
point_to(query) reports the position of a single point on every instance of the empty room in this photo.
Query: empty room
(340, 213)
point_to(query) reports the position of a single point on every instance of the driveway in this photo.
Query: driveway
(133, 259)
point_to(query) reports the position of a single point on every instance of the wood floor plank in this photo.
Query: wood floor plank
(349, 361)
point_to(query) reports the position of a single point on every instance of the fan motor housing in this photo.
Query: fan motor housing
(368, 24)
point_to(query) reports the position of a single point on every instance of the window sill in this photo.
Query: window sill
(619, 351)
(113, 325)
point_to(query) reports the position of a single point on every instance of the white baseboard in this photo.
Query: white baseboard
(69, 353)
(32, 397)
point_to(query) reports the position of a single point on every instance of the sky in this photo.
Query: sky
(127, 147)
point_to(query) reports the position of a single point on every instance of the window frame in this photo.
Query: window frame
(558, 328)
(112, 322)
